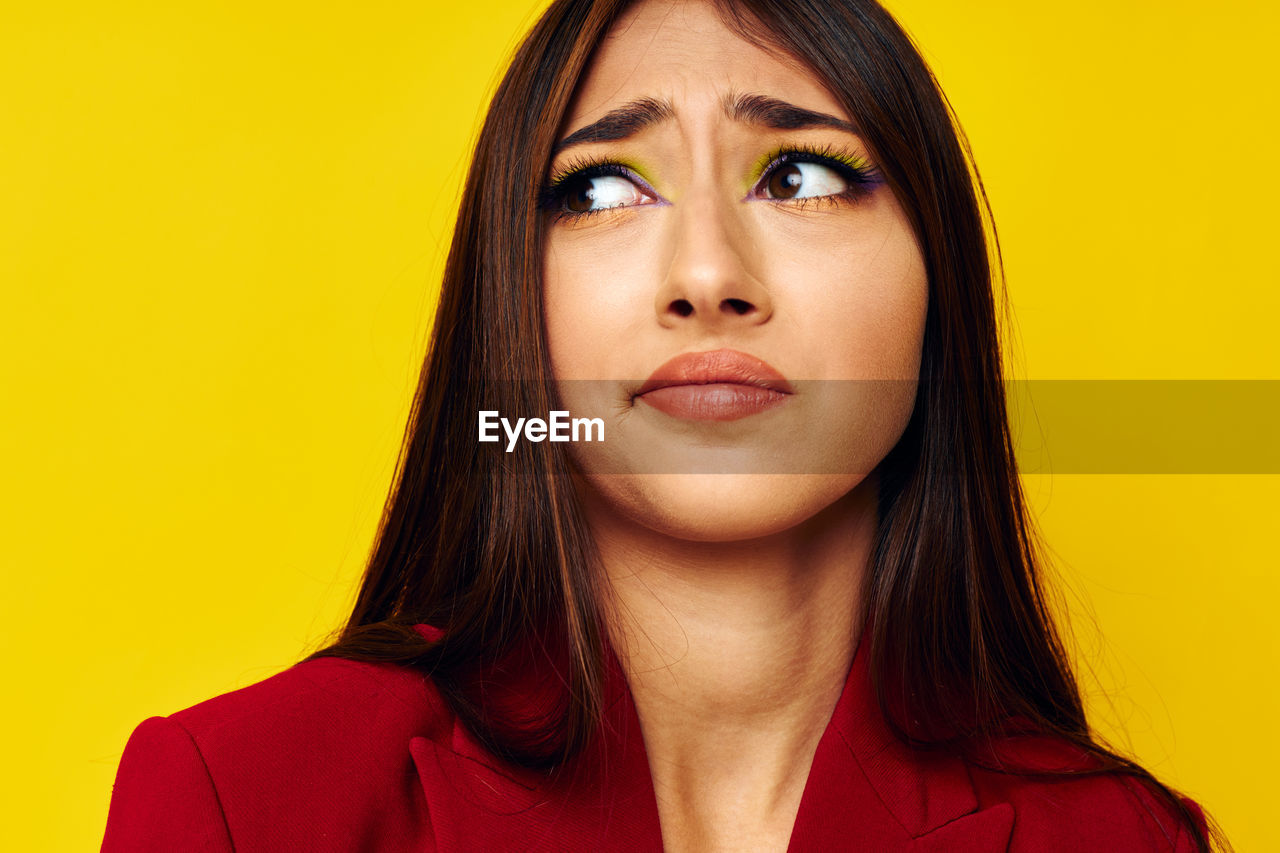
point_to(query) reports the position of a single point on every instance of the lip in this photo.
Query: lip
(718, 385)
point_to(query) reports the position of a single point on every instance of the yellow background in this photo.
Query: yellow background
(220, 231)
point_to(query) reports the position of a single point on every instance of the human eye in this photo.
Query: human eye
(590, 188)
(805, 173)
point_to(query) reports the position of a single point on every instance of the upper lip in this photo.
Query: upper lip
(715, 367)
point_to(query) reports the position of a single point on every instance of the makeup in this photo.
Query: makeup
(719, 385)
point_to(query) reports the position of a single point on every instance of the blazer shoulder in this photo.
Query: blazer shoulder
(315, 757)
(163, 795)
(1065, 803)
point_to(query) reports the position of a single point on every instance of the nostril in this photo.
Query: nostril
(683, 307)
(739, 306)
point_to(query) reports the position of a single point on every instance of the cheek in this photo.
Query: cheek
(863, 293)
(593, 298)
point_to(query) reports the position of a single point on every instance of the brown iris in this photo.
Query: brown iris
(578, 196)
(785, 181)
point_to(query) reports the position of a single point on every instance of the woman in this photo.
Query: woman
(782, 593)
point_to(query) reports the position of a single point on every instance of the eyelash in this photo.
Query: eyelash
(860, 176)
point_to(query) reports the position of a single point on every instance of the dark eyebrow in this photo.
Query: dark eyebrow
(634, 116)
(626, 120)
(779, 115)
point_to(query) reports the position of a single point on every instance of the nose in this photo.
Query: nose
(708, 281)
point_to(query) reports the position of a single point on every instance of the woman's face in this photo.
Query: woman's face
(711, 203)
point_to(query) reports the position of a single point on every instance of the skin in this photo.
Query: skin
(736, 573)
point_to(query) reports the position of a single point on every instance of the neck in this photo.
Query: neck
(736, 654)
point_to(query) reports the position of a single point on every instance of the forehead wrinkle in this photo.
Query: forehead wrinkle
(744, 108)
(693, 48)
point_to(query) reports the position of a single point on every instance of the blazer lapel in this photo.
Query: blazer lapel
(981, 832)
(602, 800)
(869, 791)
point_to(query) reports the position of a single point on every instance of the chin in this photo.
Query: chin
(717, 507)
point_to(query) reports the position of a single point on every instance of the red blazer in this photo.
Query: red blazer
(333, 755)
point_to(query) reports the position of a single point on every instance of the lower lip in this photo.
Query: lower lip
(717, 402)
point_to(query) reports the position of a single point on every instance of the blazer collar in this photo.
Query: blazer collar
(865, 791)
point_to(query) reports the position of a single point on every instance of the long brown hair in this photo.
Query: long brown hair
(492, 548)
